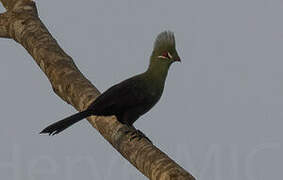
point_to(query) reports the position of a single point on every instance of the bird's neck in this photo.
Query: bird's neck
(157, 71)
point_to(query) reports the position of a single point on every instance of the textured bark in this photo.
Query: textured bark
(3, 26)
(21, 23)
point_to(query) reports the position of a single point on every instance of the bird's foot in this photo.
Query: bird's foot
(135, 133)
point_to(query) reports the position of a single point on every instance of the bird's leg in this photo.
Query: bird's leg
(135, 133)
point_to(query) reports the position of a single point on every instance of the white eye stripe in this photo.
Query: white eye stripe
(170, 56)
(163, 57)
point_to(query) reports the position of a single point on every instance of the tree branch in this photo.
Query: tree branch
(3, 26)
(21, 22)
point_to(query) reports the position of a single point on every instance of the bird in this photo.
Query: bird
(133, 97)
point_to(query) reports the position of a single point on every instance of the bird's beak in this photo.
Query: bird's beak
(178, 59)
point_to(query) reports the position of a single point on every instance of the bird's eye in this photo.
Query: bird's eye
(166, 55)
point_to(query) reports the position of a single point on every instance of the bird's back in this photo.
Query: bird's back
(131, 94)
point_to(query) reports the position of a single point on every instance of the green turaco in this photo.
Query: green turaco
(132, 97)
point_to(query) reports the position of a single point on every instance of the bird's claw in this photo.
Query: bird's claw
(135, 133)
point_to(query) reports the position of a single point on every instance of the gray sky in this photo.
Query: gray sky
(221, 112)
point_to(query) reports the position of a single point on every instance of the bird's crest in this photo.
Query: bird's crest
(165, 39)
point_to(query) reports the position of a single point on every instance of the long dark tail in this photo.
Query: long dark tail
(59, 126)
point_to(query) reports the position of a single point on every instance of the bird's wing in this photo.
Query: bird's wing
(119, 97)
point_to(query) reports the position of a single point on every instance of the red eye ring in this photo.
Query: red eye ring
(165, 54)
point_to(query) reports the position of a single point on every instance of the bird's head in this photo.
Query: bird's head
(165, 49)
